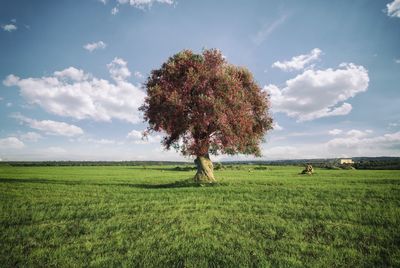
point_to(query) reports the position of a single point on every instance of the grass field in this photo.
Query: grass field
(141, 216)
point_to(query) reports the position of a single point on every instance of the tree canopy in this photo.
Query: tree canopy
(205, 105)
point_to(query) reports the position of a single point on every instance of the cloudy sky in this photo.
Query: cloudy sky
(71, 73)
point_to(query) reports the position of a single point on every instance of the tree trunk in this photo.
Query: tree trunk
(205, 170)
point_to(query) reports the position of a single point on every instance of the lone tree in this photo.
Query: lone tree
(206, 106)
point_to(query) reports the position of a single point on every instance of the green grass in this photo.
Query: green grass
(136, 216)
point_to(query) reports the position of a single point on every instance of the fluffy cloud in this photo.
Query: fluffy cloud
(96, 45)
(393, 9)
(74, 93)
(11, 143)
(119, 69)
(50, 127)
(298, 62)
(319, 93)
(9, 27)
(142, 4)
(137, 138)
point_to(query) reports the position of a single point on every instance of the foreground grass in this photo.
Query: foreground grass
(137, 216)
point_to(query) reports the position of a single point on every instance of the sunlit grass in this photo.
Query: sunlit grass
(151, 217)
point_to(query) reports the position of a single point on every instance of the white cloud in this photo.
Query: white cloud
(138, 75)
(360, 145)
(393, 9)
(355, 133)
(114, 10)
(102, 141)
(267, 29)
(298, 62)
(50, 127)
(103, 1)
(9, 104)
(335, 132)
(137, 138)
(11, 143)
(30, 136)
(55, 150)
(119, 69)
(95, 45)
(1, 98)
(70, 73)
(397, 60)
(319, 93)
(352, 143)
(142, 4)
(11, 80)
(9, 27)
(74, 93)
(277, 127)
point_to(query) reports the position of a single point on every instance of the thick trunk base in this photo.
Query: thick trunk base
(205, 170)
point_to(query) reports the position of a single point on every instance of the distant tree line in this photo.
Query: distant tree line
(89, 163)
(359, 163)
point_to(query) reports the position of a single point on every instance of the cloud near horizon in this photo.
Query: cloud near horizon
(50, 127)
(11, 143)
(76, 94)
(137, 137)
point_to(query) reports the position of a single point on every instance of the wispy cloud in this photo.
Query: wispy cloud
(50, 127)
(268, 29)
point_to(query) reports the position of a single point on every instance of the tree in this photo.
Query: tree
(206, 106)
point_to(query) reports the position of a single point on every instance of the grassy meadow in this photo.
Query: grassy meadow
(136, 216)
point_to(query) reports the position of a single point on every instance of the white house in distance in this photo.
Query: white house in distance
(346, 161)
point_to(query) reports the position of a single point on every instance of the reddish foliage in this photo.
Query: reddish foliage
(206, 105)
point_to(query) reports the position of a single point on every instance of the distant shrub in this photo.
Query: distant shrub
(346, 166)
(185, 168)
(218, 166)
(261, 168)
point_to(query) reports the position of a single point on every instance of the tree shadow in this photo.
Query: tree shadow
(188, 183)
(188, 168)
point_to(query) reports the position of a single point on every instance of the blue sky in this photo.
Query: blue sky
(71, 73)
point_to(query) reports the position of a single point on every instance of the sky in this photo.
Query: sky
(72, 73)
